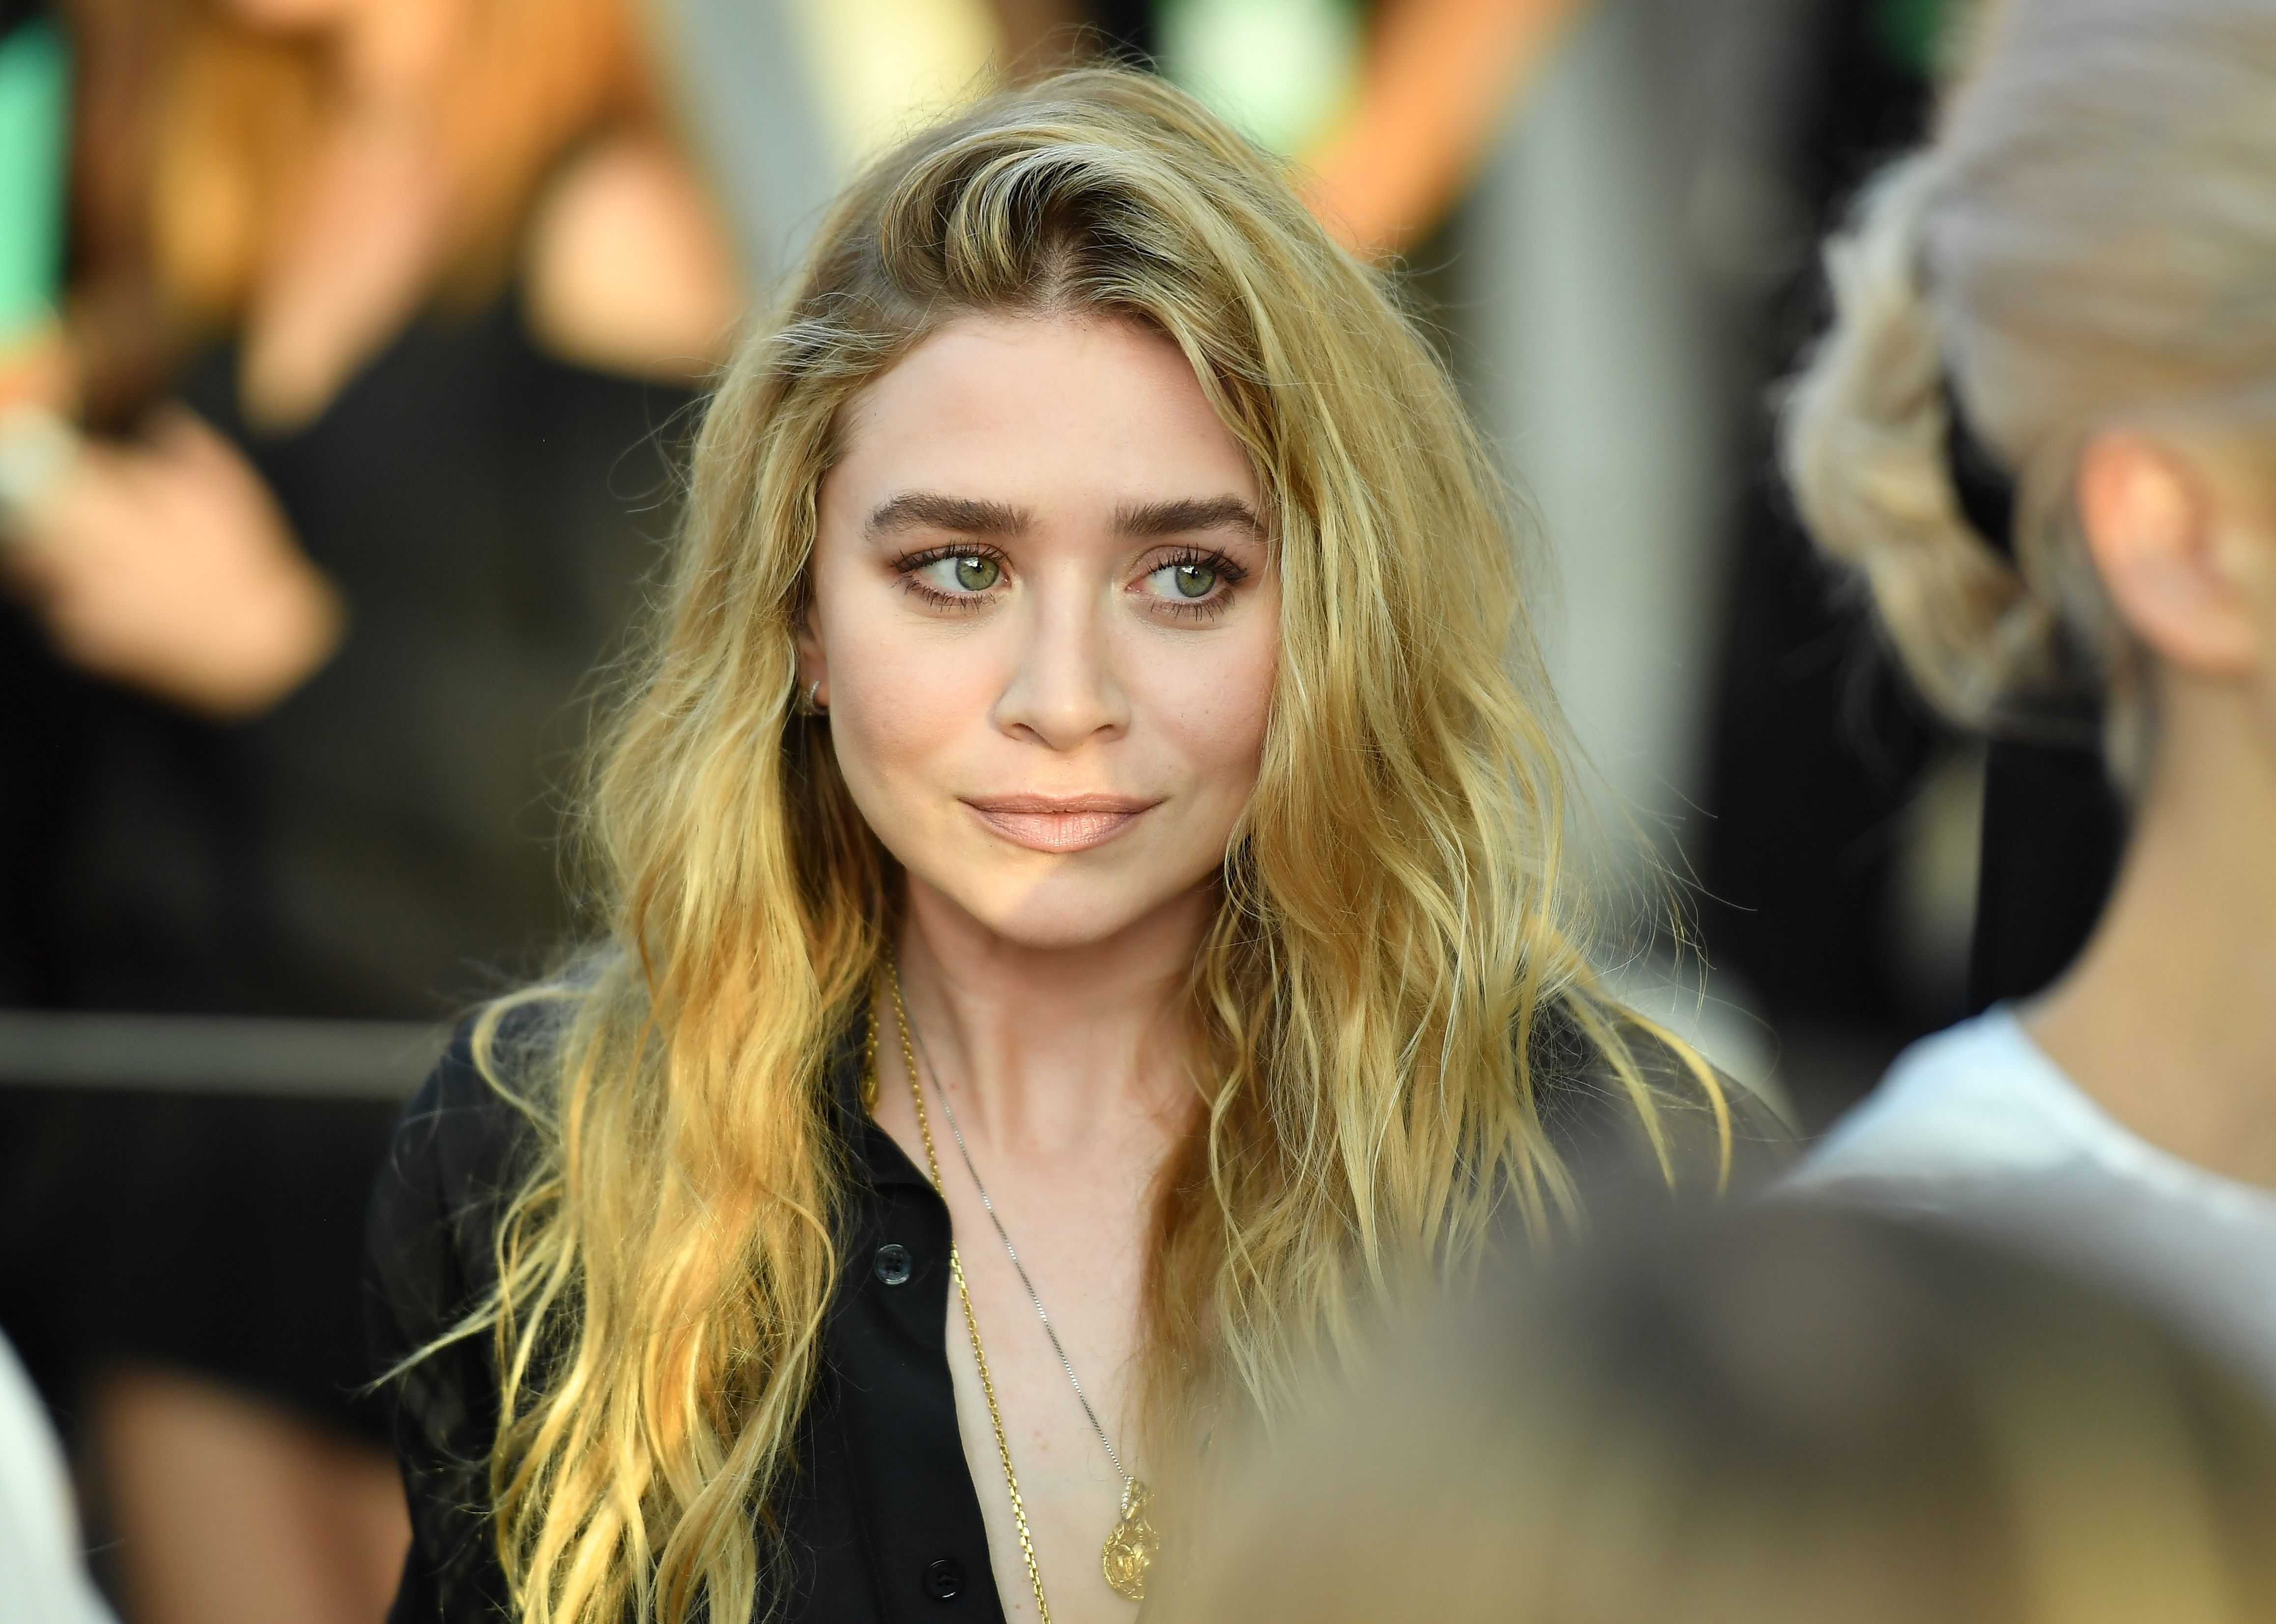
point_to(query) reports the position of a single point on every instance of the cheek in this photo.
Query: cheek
(1213, 709)
(898, 705)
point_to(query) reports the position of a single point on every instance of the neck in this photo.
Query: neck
(1047, 1050)
(2169, 1018)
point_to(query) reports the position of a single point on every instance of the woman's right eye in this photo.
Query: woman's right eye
(962, 574)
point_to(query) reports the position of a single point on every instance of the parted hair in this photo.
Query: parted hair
(1395, 932)
(2089, 241)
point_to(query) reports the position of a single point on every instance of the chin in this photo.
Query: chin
(1065, 909)
(1075, 917)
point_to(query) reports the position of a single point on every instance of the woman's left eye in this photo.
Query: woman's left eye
(1185, 581)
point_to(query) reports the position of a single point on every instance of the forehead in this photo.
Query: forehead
(1049, 404)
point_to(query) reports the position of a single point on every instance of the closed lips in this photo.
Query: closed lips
(1075, 823)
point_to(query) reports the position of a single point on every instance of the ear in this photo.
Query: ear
(2159, 544)
(813, 664)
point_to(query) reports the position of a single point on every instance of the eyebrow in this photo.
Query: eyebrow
(964, 515)
(1176, 518)
(971, 516)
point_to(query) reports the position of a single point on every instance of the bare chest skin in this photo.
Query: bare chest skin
(1079, 1211)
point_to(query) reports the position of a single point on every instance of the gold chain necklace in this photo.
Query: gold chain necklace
(1129, 1549)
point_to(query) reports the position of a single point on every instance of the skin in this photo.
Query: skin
(2169, 1018)
(1045, 981)
(229, 1509)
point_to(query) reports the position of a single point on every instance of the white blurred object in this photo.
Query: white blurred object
(884, 68)
(1282, 70)
(784, 99)
(36, 448)
(1939, 848)
(42, 1575)
(1595, 376)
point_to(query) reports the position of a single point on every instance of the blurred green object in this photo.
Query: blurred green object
(34, 114)
(1283, 71)
(1914, 32)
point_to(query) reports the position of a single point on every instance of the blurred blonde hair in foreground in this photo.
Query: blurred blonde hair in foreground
(1804, 1414)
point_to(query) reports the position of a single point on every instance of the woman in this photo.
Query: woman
(2071, 285)
(1795, 1417)
(376, 304)
(1093, 755)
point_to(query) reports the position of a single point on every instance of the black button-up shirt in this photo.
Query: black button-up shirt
(881, 1519)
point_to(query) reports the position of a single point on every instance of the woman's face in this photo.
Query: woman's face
(1045, 623)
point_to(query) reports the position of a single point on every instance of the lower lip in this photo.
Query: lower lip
(1058, 832)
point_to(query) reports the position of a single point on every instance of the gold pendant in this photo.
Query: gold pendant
(1130, 1548)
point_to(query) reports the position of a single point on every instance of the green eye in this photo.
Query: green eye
(977, 574)
(1193, 580)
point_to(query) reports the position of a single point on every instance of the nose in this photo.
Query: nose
(1063, 690)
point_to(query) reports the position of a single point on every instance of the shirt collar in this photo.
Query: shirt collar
(874, 1153)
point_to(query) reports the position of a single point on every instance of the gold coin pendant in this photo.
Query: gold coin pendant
(1130, 1548)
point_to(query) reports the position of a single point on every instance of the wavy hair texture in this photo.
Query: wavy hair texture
(1369, 1009)
(2089, 242)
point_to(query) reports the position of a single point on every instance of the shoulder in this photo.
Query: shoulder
(1652, 1123)
(1977, 1100)
(460, 1133)
(459, 1152)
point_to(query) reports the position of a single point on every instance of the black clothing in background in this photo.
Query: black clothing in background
(1818, 743)
(2053, 830)
(882, 1521)
(382, 845)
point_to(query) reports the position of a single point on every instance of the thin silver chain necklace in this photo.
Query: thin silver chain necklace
(1130, 1580)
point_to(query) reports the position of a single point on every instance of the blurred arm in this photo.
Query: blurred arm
(1440, 75)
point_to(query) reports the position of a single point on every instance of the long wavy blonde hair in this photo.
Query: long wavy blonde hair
(1368, 1010)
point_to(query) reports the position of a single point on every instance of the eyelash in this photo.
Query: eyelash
(1229, 574)
(908, 564)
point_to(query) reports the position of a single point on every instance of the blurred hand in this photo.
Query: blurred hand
(166, 566)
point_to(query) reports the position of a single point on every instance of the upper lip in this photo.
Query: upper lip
(1060, 805)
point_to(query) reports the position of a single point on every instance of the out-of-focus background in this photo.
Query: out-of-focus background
(348, 349)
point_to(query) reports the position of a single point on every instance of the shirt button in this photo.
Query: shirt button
(944, 1579)
(893, 1269)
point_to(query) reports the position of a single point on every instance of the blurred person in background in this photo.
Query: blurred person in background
(1871, 872)
(1838, 866)
(1797, 1415)
(372, 307)
(1096, 619)
(2043, 431)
